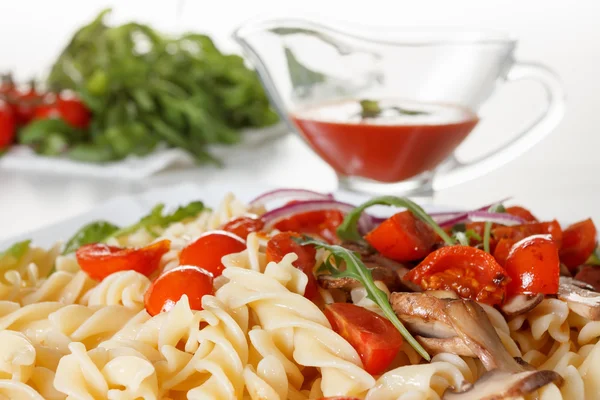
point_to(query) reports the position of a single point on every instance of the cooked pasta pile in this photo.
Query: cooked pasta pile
(66, 336)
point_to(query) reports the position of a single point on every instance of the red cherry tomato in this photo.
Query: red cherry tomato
(402, 237)
(590, 274)
(243, 226)
(522, 212)
(100, 260)
(518, 232)
(208, 250)
(7, 125)
(502, 249)
(168, 288)
(375, 339)
(579, 242)
(283, 243)
(321, 223)
(71, 110)
(468, 271)
(26, 103)
(533, 266)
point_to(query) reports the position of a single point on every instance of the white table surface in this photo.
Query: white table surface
(568, 192)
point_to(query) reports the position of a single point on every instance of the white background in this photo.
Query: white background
(557, 178)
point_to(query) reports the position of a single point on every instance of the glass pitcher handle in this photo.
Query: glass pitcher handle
(457, 172)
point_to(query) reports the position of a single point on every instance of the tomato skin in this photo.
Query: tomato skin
(521, 212)
(468, 271)
(7, 125)
(283, 243)
(167, 289)
(100, 260)
(322, 223)
(243, 226)
(518, 232)
(402, 237)
(375, 339)
(71, 110)
(533, 266)
(207, 251)
(579, 242)
(590, 274)
(502, 250)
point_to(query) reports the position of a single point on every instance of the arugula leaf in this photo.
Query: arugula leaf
(369, 108)
(594, 259)
(348, 230)
(488, 226)
(94, 232)
(156, 218)
(464, 235)
(357, 270)
(13, 254)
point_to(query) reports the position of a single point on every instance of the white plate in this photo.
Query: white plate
(124, 210)
(22, 158)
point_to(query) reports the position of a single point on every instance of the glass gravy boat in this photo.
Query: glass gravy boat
(386, 110)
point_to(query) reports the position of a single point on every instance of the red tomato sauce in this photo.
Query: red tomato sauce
(388, 148)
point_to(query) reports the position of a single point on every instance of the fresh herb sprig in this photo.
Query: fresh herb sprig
(372, 109)
(594, 259)
(100, 231)
(348, 229)
(13, 254)
(487, 230)
(355, 269)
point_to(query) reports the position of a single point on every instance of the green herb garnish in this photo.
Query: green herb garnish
(348, 230)
(487, 230)
(464, 235)
(100, 231)
(372, 109)
(594, 258)
(355, 269)
(12, 255)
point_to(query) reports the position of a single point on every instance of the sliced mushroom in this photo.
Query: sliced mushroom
(454, 345)
(503, 385)
(432, 317)
(580, 297)
(521, 303)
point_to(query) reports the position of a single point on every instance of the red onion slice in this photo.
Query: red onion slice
(292, 194)
(483, 216)
(271, 218)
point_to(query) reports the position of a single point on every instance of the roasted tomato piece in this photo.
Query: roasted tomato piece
(168, 288)
(521, 212)
(579, 242)
(468, 271)
(100, 260)
(283, 243)
(590, 274)
(402, 237)
(207, 251)
(502, 249)
(375, 339)
(518, 232)
(243, 226)
(321, 223)
(533, 266)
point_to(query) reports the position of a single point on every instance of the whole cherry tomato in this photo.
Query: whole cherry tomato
(375, 339)
(100, 260)
(207, 251)
(579, 242)
(402, 237)
(168, 288)
(69, 109)
(26, 102)
(283, 243)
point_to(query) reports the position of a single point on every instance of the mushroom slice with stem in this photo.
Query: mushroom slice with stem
(580, 297)
(503, 385)
(453, 345)
(521, 303)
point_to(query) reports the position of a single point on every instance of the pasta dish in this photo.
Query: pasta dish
(296, 295)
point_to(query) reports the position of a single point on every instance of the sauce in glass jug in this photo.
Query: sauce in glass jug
(394, 141)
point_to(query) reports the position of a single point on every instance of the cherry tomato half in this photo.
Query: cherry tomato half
(168, 288)
(321, 223)
(243, 226)
(502, 249)
(375, 339)
(208, 250)
(579, 242)
(533, 266)
(470, 272)
(100, 260)
(518, 232)
(402, 237)
(522, 212)
(283, 243)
